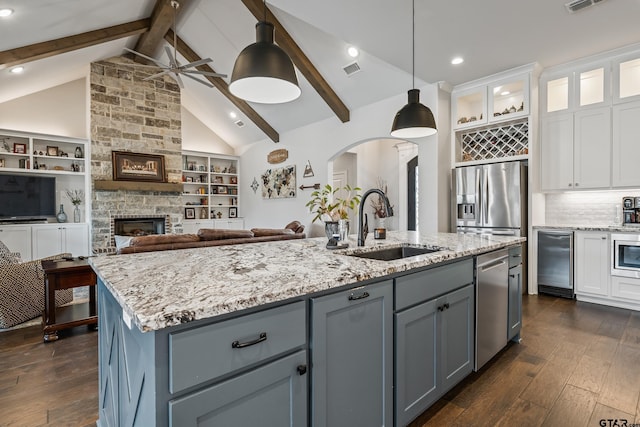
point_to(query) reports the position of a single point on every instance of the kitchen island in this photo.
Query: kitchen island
(185, 334)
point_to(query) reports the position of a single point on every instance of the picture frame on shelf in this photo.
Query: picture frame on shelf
(52, 151)
(189, 179)
(222, 189)
(2, 163)
(218, 180)
(233, 180)
(189, 213)
(128, 166)
(19, 148)
(233, 212)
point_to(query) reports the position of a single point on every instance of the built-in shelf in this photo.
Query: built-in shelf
(161, 187)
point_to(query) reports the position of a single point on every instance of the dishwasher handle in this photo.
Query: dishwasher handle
(493, 263)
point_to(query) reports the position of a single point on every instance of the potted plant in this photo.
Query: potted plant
(331, 209)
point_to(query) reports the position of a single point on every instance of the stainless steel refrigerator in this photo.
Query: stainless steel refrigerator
(491, 199)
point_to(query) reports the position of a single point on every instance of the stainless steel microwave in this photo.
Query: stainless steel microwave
(625, 254)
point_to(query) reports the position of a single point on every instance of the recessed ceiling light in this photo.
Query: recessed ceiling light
(505, 93)
(353, 51)
(5, 12)
(457, 60)
(233, 115)
(17, 70)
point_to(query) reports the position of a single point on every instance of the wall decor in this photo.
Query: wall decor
(233, 212)
(129, 166)
(308, 170)
(254, 185)
(189, 213)
(279, 183)
(277, 156)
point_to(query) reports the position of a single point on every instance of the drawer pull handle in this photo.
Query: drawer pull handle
(302, 369)
(443, 307)
(353, 297)
(238, 344)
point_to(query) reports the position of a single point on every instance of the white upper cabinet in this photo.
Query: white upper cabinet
(555, 93)
(509, 98)
(626, 146)
(626, 78)
(470, 107)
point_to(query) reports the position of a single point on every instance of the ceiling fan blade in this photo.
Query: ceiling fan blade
(204, 82)
(178, 79)
(172, 61)
(160, 64)
(197, 63)
(205, 73)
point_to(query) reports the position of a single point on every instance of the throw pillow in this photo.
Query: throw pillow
(259, 232)
(159, 239)
(215, 234)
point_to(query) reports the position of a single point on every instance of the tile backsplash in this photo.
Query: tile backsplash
(586, 208)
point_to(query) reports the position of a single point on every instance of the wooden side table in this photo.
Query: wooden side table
(66, 274)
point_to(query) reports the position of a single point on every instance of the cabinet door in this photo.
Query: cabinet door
(626, 78)
(416, 356)
(192, 227)
(556, 151)
(457, 311)
(592, 149)
(229, 224)
(515, 302)
(626, 149)
(17, 239)
(46, 240)
(274, 395)
(75, 239)
(352, 357)
(592, 253)
(469, 107)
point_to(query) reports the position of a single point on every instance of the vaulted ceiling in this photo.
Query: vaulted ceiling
(56, 40)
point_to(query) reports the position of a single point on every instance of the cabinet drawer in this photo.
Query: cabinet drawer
(205, 353)
(625, 287)
(515, 256)
(417, 287)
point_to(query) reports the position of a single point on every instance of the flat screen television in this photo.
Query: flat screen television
(24, 198)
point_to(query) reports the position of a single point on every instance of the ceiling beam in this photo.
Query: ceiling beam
(161, 22)
(222, 86)
(302, 62)
(21, 55)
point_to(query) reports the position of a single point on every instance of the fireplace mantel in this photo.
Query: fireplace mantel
(161, 187)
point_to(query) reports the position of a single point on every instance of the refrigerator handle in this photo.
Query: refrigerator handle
(485, 195)
(479, 196)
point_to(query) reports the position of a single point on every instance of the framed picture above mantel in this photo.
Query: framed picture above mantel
(129, 166)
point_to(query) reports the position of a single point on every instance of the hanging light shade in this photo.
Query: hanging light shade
(414, 120)
(263, 72)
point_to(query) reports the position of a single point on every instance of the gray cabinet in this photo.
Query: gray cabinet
(515, 294)
(352, 357)
(434, 339)
(274, 395)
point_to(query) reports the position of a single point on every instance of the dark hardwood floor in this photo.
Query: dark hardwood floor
(577, 364)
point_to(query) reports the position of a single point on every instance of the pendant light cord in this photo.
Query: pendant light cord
(413, 44)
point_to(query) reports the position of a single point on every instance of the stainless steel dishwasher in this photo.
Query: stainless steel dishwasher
(492, 305)
(555, 262)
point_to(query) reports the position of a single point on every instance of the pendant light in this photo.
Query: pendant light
(263, 72)
(414, 120)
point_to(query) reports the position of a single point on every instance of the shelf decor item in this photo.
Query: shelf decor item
(19, 148)
(233, 212)
(189, 213)
(52, 151)
(129, 166)
(61, 216)
(76, 197)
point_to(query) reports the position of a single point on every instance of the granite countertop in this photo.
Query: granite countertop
(167, 288)
(574, 227)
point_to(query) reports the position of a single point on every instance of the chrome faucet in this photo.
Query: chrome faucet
(362, 233)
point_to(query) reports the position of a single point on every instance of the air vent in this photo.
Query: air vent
(577, 5)
(239, 123)
(351, 69)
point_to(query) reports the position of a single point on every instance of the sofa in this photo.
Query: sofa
(207, 237)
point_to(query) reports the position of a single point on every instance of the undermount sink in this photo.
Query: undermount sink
(398, 252)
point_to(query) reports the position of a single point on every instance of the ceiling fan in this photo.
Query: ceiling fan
(174, 68)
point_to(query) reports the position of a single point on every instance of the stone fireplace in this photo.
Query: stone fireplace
(130, 114)
(136, 225)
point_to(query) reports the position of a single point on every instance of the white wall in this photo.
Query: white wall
(60, 110)
(319, 142)
(197, 137)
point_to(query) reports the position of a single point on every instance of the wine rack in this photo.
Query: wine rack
(497, 142)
